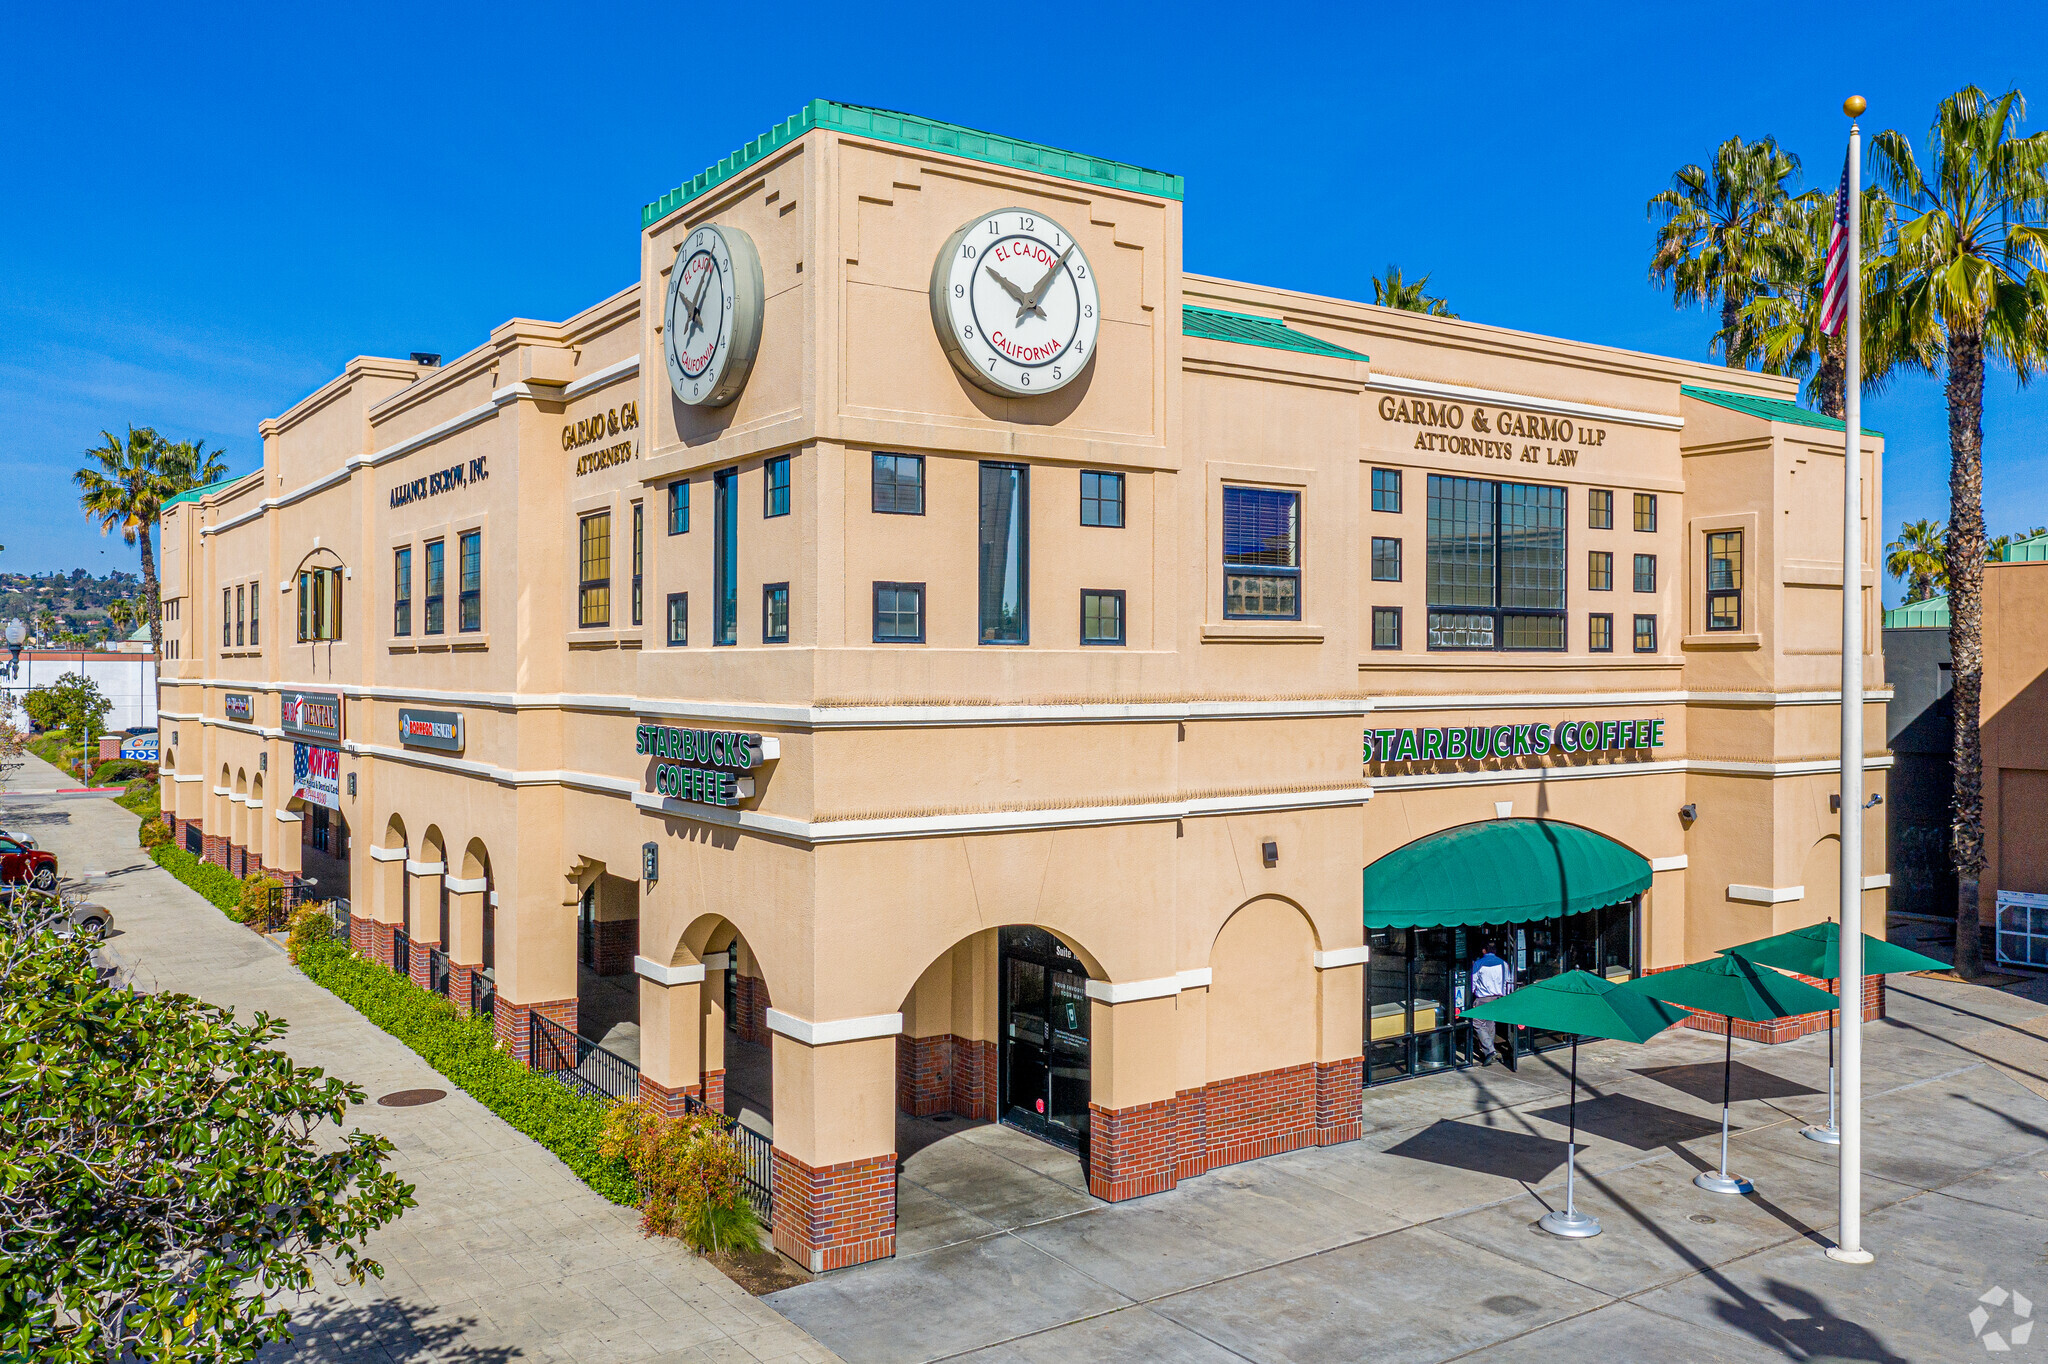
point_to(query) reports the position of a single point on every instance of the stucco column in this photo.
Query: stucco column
(536, 957)
(1133, 1061)
(371, 924)
(1340, 1044)
(465, 945)
(671, 1033)
(425, 929)
(711, 1032)
(835, 1139)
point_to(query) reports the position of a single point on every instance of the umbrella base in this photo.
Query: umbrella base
(1826, 1136)
(1714, 1181)
(1850, 1257)
(1575, 1225)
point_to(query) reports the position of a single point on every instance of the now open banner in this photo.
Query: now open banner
(316, 775)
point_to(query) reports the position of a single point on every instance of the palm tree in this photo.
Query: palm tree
(1717, 224)
(1920, 557)
(46, 622)
(1967, 280)
(131, 483)
(1389, 291)
(120, 615)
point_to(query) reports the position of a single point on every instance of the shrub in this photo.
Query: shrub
(252, 906)
(311, 925)
(121, 771)
(143, 798)
(153, 833)
(691, 1176)
(209, 880)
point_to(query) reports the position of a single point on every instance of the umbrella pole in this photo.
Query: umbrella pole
(1721, 1181)
(1831, 1135)
(1571, 1222)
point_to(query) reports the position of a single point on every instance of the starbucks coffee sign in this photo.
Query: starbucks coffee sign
(1463, 743)
(702, 766)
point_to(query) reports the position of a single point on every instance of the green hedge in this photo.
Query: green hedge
(142, 798)
(464, 1050)
(213, 882)
(120, 771)
(52, 747)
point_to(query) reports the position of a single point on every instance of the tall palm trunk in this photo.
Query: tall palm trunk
(156, 615)
(1731, 319)
(1833, 375)
(1966, 630)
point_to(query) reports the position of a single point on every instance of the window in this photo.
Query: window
(1646, 634)
(469, 603)
(1724, 580)
(1600, 634)
(1261, 554)
(678, 619)
(1386, 627)
(1646, 573)
(239, 631)
(255, 614)
(1386, 559)
(679, 507)
(775, 488)
(1102, 499)
(725, 557)
(899, 613)
(775, 613)
(594, 571)
(1600, 570)
(1102, 617)
(437, 587)
(1495, 565)
(1386, 490)
(899, 485)
(227, 618)
(1600, 508)
(319, 604)
(401, 591)
(639, 554)
(1005, 554)
(1646, 511)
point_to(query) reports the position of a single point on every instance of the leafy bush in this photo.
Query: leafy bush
(153, 833)
(311, 925)
(209, 880)
(691, 1176)
(253, 906)
(464, 1050)
(121, 771)
(142, 798)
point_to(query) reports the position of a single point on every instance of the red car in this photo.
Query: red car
(23, 863)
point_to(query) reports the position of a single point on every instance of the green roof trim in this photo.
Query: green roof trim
(908, 130)
(2034, 549)
(1929, 614)
(1770, 409)
(1215, 325)
(194, 494)
(1500, 871)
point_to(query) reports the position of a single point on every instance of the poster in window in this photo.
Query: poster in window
(316, 775)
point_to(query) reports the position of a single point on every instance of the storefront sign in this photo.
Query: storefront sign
(316, 775)
(700, 765)
(1495, 432)
(314, 714)
(589, 430)
(440, 729)
(238, 705)
(1476, 742)
(441, 481)
(140, 747)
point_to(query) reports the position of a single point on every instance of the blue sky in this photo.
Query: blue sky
(205, 211)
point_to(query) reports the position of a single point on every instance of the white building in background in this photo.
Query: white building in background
(126, 679)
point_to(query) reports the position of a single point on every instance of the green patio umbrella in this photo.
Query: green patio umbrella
(1816, 950)
(1582, 1004)
(1733, 987)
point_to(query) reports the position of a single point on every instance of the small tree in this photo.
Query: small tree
(74, 702)
(691, 1176)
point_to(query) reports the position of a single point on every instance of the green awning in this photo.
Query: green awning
(1500, 871)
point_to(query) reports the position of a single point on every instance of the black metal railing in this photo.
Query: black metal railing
(338, 912)
(437, 971)
(401, 952)
(483, 994)
(757, 1154)
(580, 1063)
(277, 913)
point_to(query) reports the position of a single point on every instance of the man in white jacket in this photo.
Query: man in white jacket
(1491, 979)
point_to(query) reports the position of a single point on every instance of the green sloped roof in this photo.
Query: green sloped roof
(1215, 325)
(1500, 871)
(1770, 409)
(194, 494)
(2034, 549)
(1915, 614)
(908, 130)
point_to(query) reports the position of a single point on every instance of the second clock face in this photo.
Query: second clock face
(713, 320)
(1014, 300)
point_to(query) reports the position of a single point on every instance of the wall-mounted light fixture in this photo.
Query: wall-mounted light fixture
(1688, 813)
(351, 784)
(1835, 802)
(1271, 851)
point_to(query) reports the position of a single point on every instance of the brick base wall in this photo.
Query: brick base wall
(613, 945)
(946, 1074)
(669, 1102)
(714, 1090)
(512, 1031)
(293, 892)
(421, 965)
(216, 850)
(383, 943)
(837, 1215)
(751, 1003)
(1340, 1087)
(1792, 1028)
(359, 935)
(459, 986)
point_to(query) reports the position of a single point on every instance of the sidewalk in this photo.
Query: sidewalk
(508, 1255)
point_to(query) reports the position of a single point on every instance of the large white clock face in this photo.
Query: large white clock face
(1013, 297)
(712, 324)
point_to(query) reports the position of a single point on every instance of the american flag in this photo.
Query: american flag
(1834, 297)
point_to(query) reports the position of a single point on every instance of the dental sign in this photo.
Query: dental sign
(702, 766)
(1478, 742)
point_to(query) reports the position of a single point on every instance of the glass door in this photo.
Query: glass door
(1044, 1036)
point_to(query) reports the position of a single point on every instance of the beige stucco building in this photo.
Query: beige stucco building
(946, 749)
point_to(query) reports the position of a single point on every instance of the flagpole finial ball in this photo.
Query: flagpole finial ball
(1854, 106)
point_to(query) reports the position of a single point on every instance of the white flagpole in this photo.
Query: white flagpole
(1849, 1237)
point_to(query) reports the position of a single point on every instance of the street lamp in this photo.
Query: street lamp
(17, 632)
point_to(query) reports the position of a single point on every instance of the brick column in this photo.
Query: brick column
(835, 1138)
(512, 1030)
(1339, 1085)
(1131, 1150)
(361, 939)
(833, 1216)
(216, 849)
(459, 986)
(672, 1031)
(946, 1074)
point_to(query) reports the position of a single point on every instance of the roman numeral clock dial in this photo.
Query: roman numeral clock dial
(712, 325)
(1014, 301)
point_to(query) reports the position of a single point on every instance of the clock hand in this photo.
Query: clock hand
(1046, 282)
(696, 305)
(1012, 290)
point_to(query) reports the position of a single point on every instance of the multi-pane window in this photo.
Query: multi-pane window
(1646, 634)
(255, 614)
(1600, 570)
(1386, 559)
(1261, 554)
(678, 619)
(594, 571)
(1724, 580)
(1600, 634)
(401, 591)
(899, 485)
(639, 554)
(469, 601)
(227, 618)
(679, 507)
(899, 613)
(1102, 498)
(775, 488)
(1005, 554)
(240, 630)
(1386, 627)
(1102, 617)
(1386, 490)
(319, 604)
(1646, 573)
(775, 613)
(1600, 508)
(725, 557)
(437, 584)
(1495, 564)
(1646, 511)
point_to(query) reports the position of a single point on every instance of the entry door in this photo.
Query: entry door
(586, 928)
(1045, 1075)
